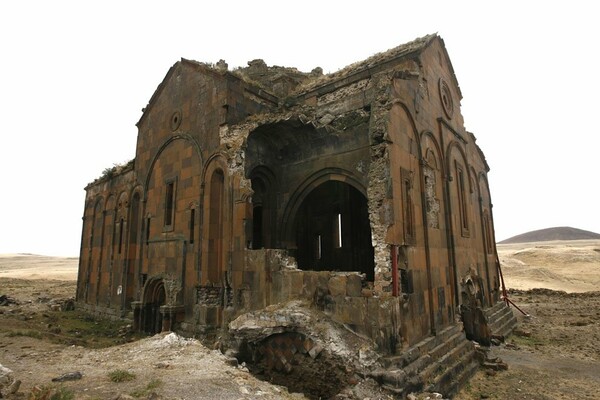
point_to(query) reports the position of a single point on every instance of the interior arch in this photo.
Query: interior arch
(332, 230)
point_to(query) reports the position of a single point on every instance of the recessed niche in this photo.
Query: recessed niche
(175, 120)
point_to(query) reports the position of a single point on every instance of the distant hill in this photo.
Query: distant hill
(558, 233)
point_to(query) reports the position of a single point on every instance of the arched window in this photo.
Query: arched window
(461, 180)
(264, 229)
(192, 225)
(215, 227)
(169, 204)
(407, 206)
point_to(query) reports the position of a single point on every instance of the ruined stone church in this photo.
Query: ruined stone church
(358, 191)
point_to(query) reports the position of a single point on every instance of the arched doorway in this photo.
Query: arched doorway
(154, 298)
(333, 232)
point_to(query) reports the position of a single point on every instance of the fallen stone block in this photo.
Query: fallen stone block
(69, 376)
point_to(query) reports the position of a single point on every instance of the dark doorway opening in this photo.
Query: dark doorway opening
(333, 232)
(154, 298)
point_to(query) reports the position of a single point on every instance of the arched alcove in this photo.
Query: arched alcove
(135, 227)
(332, 230)
(215, 227)
(154, 298)
(264, 212)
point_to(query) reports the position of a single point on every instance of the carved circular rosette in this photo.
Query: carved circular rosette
(446, 98)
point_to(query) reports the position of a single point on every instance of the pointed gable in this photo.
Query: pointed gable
(179, 66)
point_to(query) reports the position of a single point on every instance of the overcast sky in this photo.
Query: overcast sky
(74, 76)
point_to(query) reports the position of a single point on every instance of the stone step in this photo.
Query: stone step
(413, 369)
(453, 378)
(396, 378)
(422, 348)
(498, 308)
(443, 362)
(446, 346)
(501, 319)
(465, 349)
(507, 328)
(402, 360)
(442, 336)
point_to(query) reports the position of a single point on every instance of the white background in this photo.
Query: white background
(74, 76)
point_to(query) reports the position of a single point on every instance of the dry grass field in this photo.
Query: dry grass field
(555, 351)
(571, 266)
(554, 354)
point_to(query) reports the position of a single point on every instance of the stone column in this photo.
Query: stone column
(171, 315)
(136, 306)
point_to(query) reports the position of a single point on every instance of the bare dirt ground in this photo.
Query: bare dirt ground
(554, 354)
(39, 342)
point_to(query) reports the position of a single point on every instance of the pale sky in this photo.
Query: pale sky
(74, 76)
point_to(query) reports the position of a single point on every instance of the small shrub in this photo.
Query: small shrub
(530, 341)
(120, 375)
(154, 384)
(143, 392)
(108, 173)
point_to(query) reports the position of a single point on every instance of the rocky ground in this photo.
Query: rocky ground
(59, 353)
(554, 354)
(40, 342)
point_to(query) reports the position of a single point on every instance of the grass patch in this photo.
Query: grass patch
(78, 328)
(74, 327)
(51, 393)
(120, 375)
(145, 391)
(89, 331)
(530, 341)
(28, 333)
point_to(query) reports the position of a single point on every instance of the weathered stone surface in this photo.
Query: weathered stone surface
(495, 364)
(6, 376)
(14, 387)
(522, 332)
(7, 300)
(255, 326)
(337, 285)
(315, 351)
(353, 285)
(69, 376)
